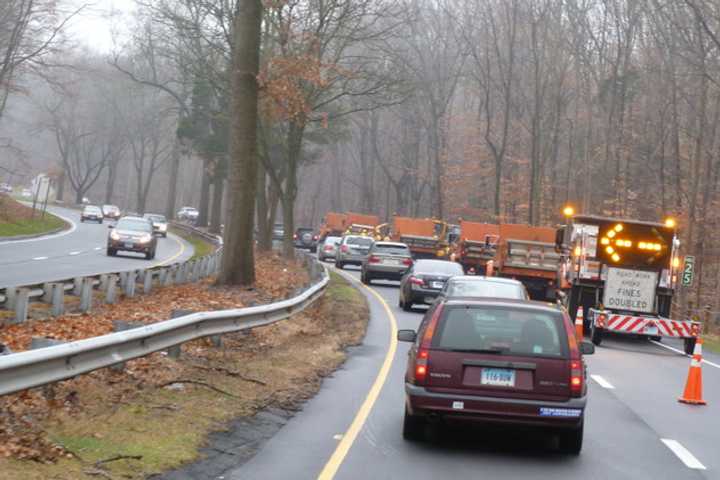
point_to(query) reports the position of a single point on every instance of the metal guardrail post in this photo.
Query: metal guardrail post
(22, 304)
(129, 287)
(58, 299)
(111, 289)
(86, 296)
(77, 286)
(47, 292)
(147, 282)
(10, 295)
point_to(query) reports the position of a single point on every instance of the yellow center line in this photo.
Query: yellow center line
(333, 465)
(182, 250)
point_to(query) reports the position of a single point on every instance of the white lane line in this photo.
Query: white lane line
(683, 454)
(712, 364)
(77, 252)
(98, 248)
(602, 382)
(40, 258)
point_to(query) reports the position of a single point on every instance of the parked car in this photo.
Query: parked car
(132, 234)
(6, 188)
(423, 282)
(328, 248)
(188, 214)
(278, 232)
(91, 212)
(305, 238)
(111, 212)
(386, 261)
(159, 222)
(353, 250)
(26, 193)
(471, 286)
(512, 362)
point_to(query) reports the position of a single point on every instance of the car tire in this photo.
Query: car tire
(111, 252)
(413, 427)
(689, 345)
(149, 255)
(407, 306)
(339, 265)
(571, 441)
(656, 339)
(365, 279)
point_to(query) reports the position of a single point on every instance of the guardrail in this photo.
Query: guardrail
(35, 368)
(18, 298)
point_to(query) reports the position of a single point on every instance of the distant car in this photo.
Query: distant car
(26, 193)
(111, 211)
(353, 250)
(386, 261)
(132, 234)
(91, 212)
(328, 248)
(85, 201)
(423, 282)
(471, 286)
(278, 232)
(305, 238)
(491, 361)
(160, 224)
(188, 214)
(6, 188)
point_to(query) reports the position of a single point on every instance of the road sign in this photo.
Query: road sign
(688, 272)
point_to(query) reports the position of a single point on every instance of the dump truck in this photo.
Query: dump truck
(425, 237)
(476, 245)
(624, 274)
(361, 224)
(527, 253)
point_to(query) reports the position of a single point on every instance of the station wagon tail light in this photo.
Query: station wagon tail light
(344, 248)
(423, 355)
(421, 366)
(374, 259)
(328, 248)
(576, 378)
(407, 262)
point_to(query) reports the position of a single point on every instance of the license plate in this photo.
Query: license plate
(437, 284)
(393, 263)
(497, 377)
(129, 245)
(650, 330)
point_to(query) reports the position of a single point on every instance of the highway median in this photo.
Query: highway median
(18, 221)
(156, 413)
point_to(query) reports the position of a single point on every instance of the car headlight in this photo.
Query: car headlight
(115, 235)
(162, 227)
(145, 238)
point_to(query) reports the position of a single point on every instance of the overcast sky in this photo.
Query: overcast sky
(100, 21)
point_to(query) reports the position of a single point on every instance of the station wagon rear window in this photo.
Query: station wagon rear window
(485, 289)
(502, 331)
(391, 249)
(361, 241)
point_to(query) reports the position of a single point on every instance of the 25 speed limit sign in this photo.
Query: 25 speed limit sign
(688, 272)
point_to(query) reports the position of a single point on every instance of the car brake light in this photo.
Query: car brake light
(407, 262)
(344, 248)
(295, 236)
(421, 366)
(374, 259)
(328, 248)
(422, 358)
(576, 378)
(416, 281)
(315, 237)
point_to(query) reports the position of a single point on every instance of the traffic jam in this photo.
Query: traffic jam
(510, 312)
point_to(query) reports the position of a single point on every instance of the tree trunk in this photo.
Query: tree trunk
(238, 263)
(264, 236)
(61, 186)
(216, 212)
(173, 180)
(294, 139)
(204, 207)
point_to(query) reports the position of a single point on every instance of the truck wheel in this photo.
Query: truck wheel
(407, 306)
(596, 334)
(413, 427)
(690, 346)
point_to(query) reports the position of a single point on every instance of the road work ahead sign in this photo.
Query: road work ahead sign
(632, 290)
(688, 272)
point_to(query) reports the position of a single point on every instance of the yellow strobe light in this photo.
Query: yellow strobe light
(568, 211)
(619, 227)
(615, 257)
(670, 222)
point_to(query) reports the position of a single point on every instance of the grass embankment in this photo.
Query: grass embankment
(711, 343)
(17, 219)
(153, 418)
(200, 247)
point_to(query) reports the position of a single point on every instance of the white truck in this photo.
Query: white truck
(623, 273)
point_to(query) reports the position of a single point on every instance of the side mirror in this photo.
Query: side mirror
(406, 336)
(586, 348)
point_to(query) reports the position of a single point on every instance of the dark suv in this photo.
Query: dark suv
(132, 234)
(493, 361)
(305, 238)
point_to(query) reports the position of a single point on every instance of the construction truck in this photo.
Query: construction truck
(623, 273)
(333, 224)
(361, 224)
(476, 245)
(425, 237)
(527, 254)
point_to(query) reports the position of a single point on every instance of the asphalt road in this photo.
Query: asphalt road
(352, 428)
(76, 252)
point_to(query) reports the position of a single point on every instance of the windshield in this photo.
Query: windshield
(359, 241)
(156, 218)
(391, 249)
(332, 240)
(439, 267)
(134, 224)
(504, 330)
(475, 288)
(92, 210)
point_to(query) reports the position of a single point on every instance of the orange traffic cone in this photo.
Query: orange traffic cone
(579, 319)
(693, 387)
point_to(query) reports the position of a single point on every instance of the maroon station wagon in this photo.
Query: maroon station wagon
(503, 361)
